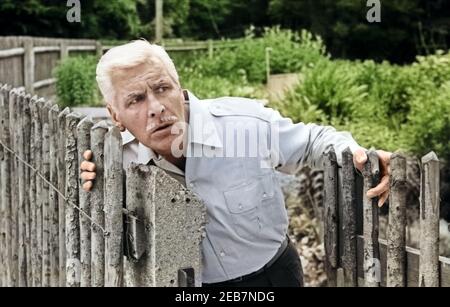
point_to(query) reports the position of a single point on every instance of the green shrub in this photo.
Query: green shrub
(291, 52)
(206, 87)
(329, 89)
(428, 126)
(76, 84)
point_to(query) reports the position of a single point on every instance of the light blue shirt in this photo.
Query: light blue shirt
(246, 215)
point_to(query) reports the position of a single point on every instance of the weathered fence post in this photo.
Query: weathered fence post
(175, 233)
(165, 226)
(44, 193)
(3, 282)
(396, 235)
(83, 144)
(372, 265)
(349, 263)
(20, 151)
(138, 273)
(98, 133)
(331, 216)
(6, 184)
(62, 187)
(2, 208)
(32, 194)
(73, 265)
(54, 198)
(14, 263)
(429, 222)
(36, 106)
(113, 208)
(24, 181)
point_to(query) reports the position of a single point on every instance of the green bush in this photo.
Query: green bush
(291, 52)
(76, 84)
(428, 126)
(330, 88)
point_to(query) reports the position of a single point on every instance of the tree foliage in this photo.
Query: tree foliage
(407, 28)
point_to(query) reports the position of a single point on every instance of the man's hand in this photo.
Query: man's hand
(87, 171)
(382, 189)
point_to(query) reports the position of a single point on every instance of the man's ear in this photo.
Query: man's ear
(115, 117)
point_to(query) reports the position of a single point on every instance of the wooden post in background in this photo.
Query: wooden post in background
(73, 265)
(83, 144)
(331, 217)
(64, 52)
(372, 264)
(113, 208)
(28, 65)
(99, 49)
(159, 21)
(98, 133)
(396, 234)
(429, 222)
(210, 49)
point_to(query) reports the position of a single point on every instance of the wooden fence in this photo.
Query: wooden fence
(29, 61)
(355, 256)
(52, 233)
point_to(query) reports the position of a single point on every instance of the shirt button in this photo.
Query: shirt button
(192, 185)
(222, 254)
(240, 206)
(264, 195)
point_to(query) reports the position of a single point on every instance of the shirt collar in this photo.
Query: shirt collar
(202, 130)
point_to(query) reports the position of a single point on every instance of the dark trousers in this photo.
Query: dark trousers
(285, 272)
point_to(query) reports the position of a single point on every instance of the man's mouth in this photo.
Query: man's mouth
(166, 123)
(161, 127)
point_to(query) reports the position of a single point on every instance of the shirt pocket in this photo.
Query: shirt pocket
(244, 204)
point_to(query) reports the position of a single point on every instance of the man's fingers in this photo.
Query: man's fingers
(87, 166)
(383, 199)
(87, 186)
(87, 155)
(379, 189)
(88, 176)
(359, 158)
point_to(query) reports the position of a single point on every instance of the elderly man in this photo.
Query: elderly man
(226, 151)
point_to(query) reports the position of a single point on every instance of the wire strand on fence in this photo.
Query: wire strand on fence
(105, 233)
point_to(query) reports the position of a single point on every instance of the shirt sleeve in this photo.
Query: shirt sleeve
(294, 145)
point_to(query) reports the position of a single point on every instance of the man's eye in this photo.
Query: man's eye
(137, 99)
(161, 89)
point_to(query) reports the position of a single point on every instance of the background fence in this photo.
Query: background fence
(355, 256)
(55, 234)
(29, 61)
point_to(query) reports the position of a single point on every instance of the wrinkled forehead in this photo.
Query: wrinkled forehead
(147, 74)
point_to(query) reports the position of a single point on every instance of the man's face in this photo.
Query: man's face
(148, 102)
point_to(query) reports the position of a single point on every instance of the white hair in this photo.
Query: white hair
(128, 56)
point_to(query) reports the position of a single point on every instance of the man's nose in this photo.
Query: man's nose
(155, 109)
